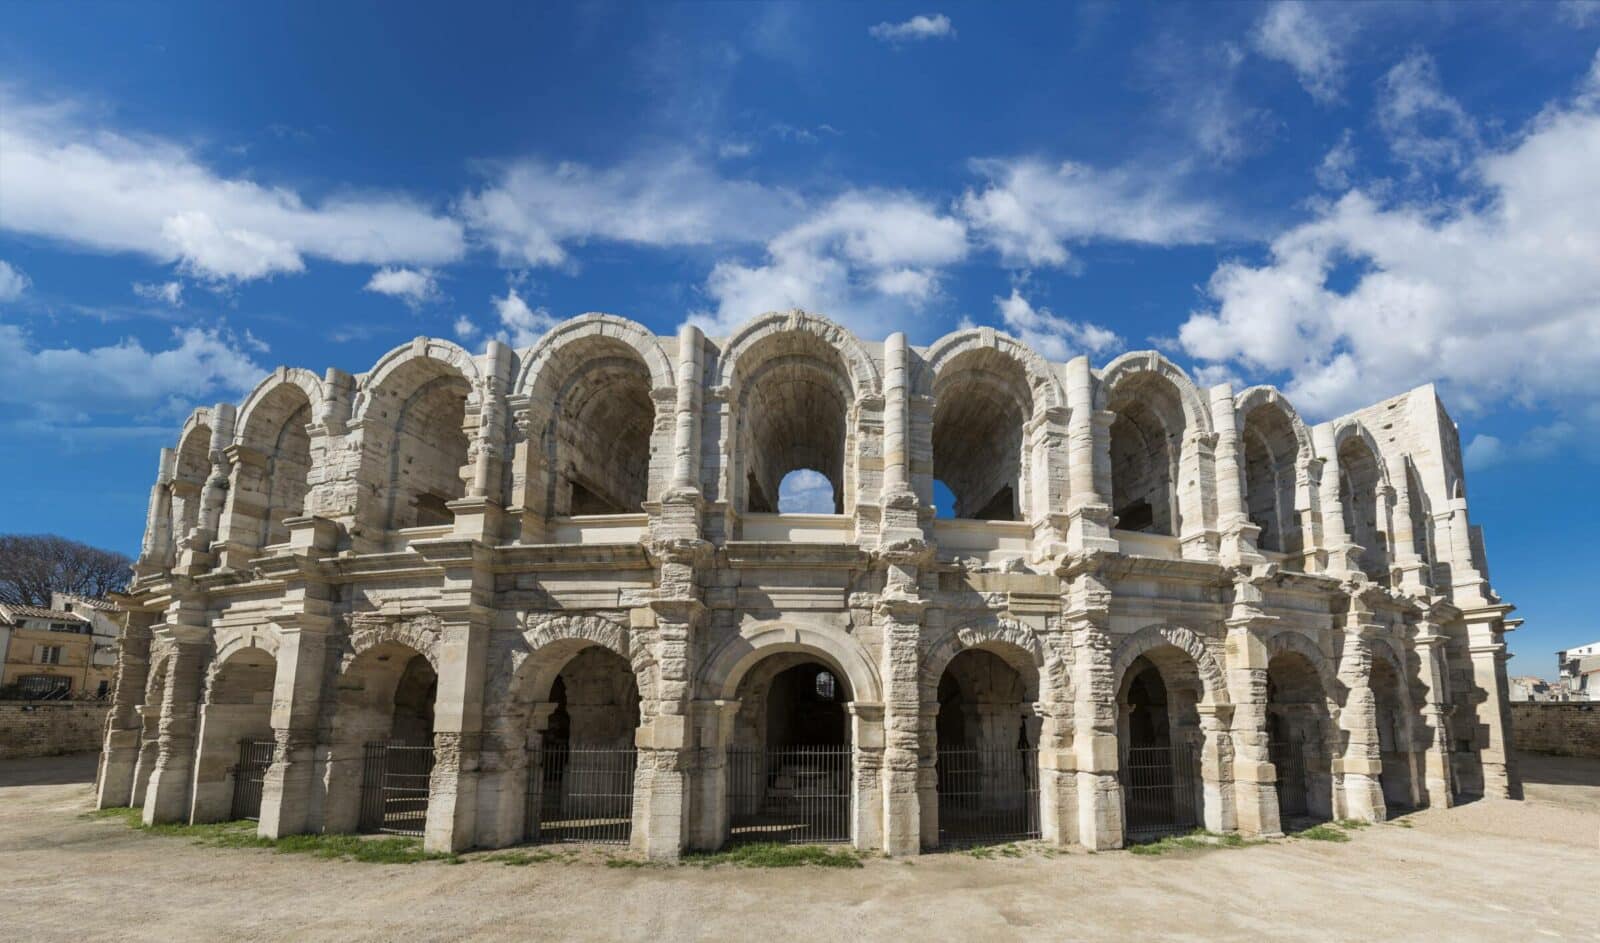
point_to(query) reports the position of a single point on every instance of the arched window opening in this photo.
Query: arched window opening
(381, 755)
(981, 403)
(987, 767)
(1144, 465)
(235, 741)
(1421, 520)
(192, 471)
(582, 770)
(429, 454)
(789, 764)
(1161, 745)
(794, 415)
(1271, 452)
(276, 430)
(807, 491)
(1299, 729)
(1361, 499)
(599, 438)
(1394, 736)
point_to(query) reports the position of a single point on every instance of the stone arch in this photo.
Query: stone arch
(1291, 641)
(595, 325)
(433, 351)
(1267, 397)
(191, 473)
(272, 477)
(420, 635)
(532, 670)
(1159, 423)
(1275, 454)
(796, 385)
(1346, 429)
(595, 400)
(1015, 643)
(1152, 637)
(262, 639)
(1132, 366)
(308, 384)
(992, 398)
(728, 665)
(1364, 494)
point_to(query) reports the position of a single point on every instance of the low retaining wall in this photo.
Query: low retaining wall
(50, 728)
(1570, 728)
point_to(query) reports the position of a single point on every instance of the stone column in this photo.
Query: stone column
(1197, 534)
(155, 550)
(1239, 535)
(1046, 436)
(1088, 449)
(666, 758)
(124, 724)
(291, 791)
(1216, 755)
(1411, 571)
(1057, 773)
(1438, 776)
(901, 508)
(1255, 779)
(1486, 637)
(867, 829)
(900, 612)
(167, 796)
(1087, 617)
(708, 823)
(1339, 555)
(1362, 764)
(928, 773)
(244, 512)
(457, 735)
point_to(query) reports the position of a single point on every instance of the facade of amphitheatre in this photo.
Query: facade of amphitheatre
(548, 594)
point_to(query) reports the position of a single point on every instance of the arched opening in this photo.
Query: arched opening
(382, 742)
(1161, 743)
(1271, 458)
(1299, 728)
(190, 473)
(583, 760)
(414, 427)
(276, 431)
(598, 438)
(235, 743)
(1394, 737)
(987, 766)
(155, 690)
(790, 758)
(1361, 498)
(1146, 442)
(806, 491)
(982, 401)
(794, 413)
(1421, 519)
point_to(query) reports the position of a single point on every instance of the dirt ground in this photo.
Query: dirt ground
(1485, 871)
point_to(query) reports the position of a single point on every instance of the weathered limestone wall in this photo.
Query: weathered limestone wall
(50, 728)
(1565, 729)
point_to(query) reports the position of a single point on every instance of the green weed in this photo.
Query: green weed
(775, 855)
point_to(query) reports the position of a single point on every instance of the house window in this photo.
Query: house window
(48, 655)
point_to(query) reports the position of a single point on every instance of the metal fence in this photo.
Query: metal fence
(987, 796)
(581, 794)
(394, 787)
(249, 775)
(1160, 791)
(1294, 792)
(798, 795)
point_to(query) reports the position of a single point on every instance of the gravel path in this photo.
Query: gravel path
(1486, 871)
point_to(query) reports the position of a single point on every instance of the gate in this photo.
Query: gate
(581, 794)
(1160, 791)
(987, 796)
(799, 794)
(248, 776)
(1289, 759)
(394, 788)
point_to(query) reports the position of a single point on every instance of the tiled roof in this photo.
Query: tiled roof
(37, 612)
(91, 602)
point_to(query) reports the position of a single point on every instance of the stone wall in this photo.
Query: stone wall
(50, 728)
(1566, 729)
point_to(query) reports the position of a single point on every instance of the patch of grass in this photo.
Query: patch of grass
(1348, 824)
(242, 834)
(612, 861)
(1199, 839)
(130, 817)
(775, 855)
(1323, 833)
(986, 852)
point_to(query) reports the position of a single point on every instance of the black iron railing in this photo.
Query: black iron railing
(987, 796)
(394, 787)
(1294, 792)
(1160, 791)
(582, 794)
(796, 794)
(249, 775)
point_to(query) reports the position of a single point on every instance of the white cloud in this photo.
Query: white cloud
(1580, 13)
(464, 328)
(13, 282)
(72, 385)
(169, 293)
(533, 212)
(1482, 452)
(805, 492)
(69, 179)
(869, 259)
(1495, 295)
(522, 326)
(1032, 212)
(1334, 171)
(733, 150)
(1291, 33)
(413, 286)
(1426, 128)
(1055, 338)
(919, 27)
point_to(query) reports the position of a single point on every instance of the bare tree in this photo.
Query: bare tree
(32, 566)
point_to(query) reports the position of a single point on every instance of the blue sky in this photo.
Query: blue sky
(1343, 200)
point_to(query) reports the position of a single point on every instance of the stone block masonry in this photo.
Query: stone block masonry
(50, 728)
(1569, 728)
(554, 594)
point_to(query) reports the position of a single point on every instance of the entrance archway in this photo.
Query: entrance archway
(987, 766)
(235, 738)
(1299, 728)
(381, 744)
(1159, 731)
(789, 764)
(582, 761)
(1395, 743)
